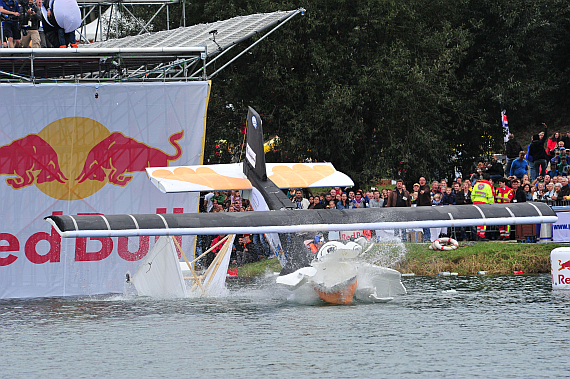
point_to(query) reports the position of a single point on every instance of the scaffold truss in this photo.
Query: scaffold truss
(184, 53)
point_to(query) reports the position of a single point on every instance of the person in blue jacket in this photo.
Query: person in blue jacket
(520, 166)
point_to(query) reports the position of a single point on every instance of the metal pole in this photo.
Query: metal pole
(152, 18)
(167, 17)
(184, 12)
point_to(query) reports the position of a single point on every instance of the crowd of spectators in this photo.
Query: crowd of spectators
(25, 25)
(539, 174)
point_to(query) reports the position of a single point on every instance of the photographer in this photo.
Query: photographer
(10, 16)
(30, 23)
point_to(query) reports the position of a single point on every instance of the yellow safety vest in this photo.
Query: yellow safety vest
(482, 193)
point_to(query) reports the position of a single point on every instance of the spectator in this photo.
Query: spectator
(495, 169)
(528, 194)
(563, 166)
(519, 167)
(291, 193)
(565, 191)
(343, 203)
(384, 197)
(328, 198)
(358, 201)
(556, 196)
(299, 201)
(249, 249)
(512, 148)
(208, 202)
(317, 203)
(549, 191)
(332, 205)
(30, 23)
(351, 195)
(43, 43)
(261, 245)
(10, 10)
(415, 193)
(448, 197)
(565, 139)
(215, 250)
(399, 198)
(237, 252)
(424, 200)
(552, 144)
(519, 196)
(435, 188)
(436, 201)
(538, 154)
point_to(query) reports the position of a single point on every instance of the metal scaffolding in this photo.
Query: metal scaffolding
(180, 54)
(118, 8)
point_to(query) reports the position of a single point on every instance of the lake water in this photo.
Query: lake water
(485, 327)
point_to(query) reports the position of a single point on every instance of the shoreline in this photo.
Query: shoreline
(497, 258)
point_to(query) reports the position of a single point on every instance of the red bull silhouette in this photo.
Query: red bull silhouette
(119, 154)
(26, 156)
(565, 265)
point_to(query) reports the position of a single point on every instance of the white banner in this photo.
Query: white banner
(83, 149)
(561, 229)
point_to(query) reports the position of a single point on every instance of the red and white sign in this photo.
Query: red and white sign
(560, 268)
(64, 150)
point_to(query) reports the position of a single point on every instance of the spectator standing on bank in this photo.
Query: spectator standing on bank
(424, 200)
(358, 201)
(538, 154)
(552, 144)
(520, 166)
(512, 147)
(299, 201)
(519, 196)
(343, 203)
(495, 169)
(399, 198)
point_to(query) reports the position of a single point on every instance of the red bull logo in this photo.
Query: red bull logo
(74, 157)
(30, 160)
(565, 265)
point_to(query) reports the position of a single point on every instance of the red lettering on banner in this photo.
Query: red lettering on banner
(160, 211)
(54, 240)
(563, 280)
(123, 249)
(82, 255)
(13, 245)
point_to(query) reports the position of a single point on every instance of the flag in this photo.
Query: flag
(505, 124)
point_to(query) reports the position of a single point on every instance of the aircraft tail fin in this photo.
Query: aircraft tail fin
(255, 155)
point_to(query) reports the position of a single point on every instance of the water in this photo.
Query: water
(453, 327)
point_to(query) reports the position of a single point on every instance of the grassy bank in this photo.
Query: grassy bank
(498, 258)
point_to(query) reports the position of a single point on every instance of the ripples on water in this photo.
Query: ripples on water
(446, 327)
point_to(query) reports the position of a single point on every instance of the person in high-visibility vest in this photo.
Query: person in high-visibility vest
(504, 194)
(483, 194)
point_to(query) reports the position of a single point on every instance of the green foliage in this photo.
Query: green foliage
(386, 88)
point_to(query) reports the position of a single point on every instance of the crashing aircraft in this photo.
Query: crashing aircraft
(333, 273)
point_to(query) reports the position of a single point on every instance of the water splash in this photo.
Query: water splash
(386, 253)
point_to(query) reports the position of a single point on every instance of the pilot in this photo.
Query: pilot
(316, 243)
